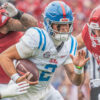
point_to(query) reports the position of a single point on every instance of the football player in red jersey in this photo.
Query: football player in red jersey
(11, 22)
(90, 37)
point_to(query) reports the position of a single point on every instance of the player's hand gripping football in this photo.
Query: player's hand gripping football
(11, 10)
(79, 59)
(24, 78)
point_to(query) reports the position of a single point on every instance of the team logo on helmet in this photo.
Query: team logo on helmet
(63, 20)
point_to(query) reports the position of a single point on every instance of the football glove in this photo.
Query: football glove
(14, 90)
(11, 10)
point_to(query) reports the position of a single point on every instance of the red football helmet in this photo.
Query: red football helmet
(94, 26)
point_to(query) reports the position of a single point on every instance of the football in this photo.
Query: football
(24, 65)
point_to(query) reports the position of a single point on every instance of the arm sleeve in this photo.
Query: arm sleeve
(28, 44)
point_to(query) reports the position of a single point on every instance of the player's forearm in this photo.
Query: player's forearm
(80, 46)
(25, 20)
(15, 25)
(7, 65)
(77, 79)
(28, 20)
(76, 76)
(80, 41)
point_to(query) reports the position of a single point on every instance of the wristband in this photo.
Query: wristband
(78, 71)
(15, 76)
(19, 14)
(78, 67)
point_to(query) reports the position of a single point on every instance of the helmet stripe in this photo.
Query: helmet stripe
(63, 10)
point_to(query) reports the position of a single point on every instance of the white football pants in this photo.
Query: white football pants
(48, 94)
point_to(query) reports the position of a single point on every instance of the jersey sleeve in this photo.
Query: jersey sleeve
(28, 44)
(68, 60)
(73, 47)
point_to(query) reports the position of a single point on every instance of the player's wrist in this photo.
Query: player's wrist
(18, 15)
(15, 76)
(78, 70)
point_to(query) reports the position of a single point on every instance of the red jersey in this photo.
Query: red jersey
(5, 42)
(95, 51)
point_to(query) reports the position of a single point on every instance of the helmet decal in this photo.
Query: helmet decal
(63, 10)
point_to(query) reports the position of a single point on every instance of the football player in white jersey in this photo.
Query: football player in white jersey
(48, 48)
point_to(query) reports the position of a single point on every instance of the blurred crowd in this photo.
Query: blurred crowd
(81, 11)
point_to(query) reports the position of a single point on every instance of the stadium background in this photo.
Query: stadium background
(81, 11)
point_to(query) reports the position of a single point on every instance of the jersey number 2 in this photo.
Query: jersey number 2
(45, 76)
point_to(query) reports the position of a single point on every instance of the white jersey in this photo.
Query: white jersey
(38, 46)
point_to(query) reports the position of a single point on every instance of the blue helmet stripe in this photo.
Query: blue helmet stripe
(40, 42)
(72, 44)
(44, 41)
